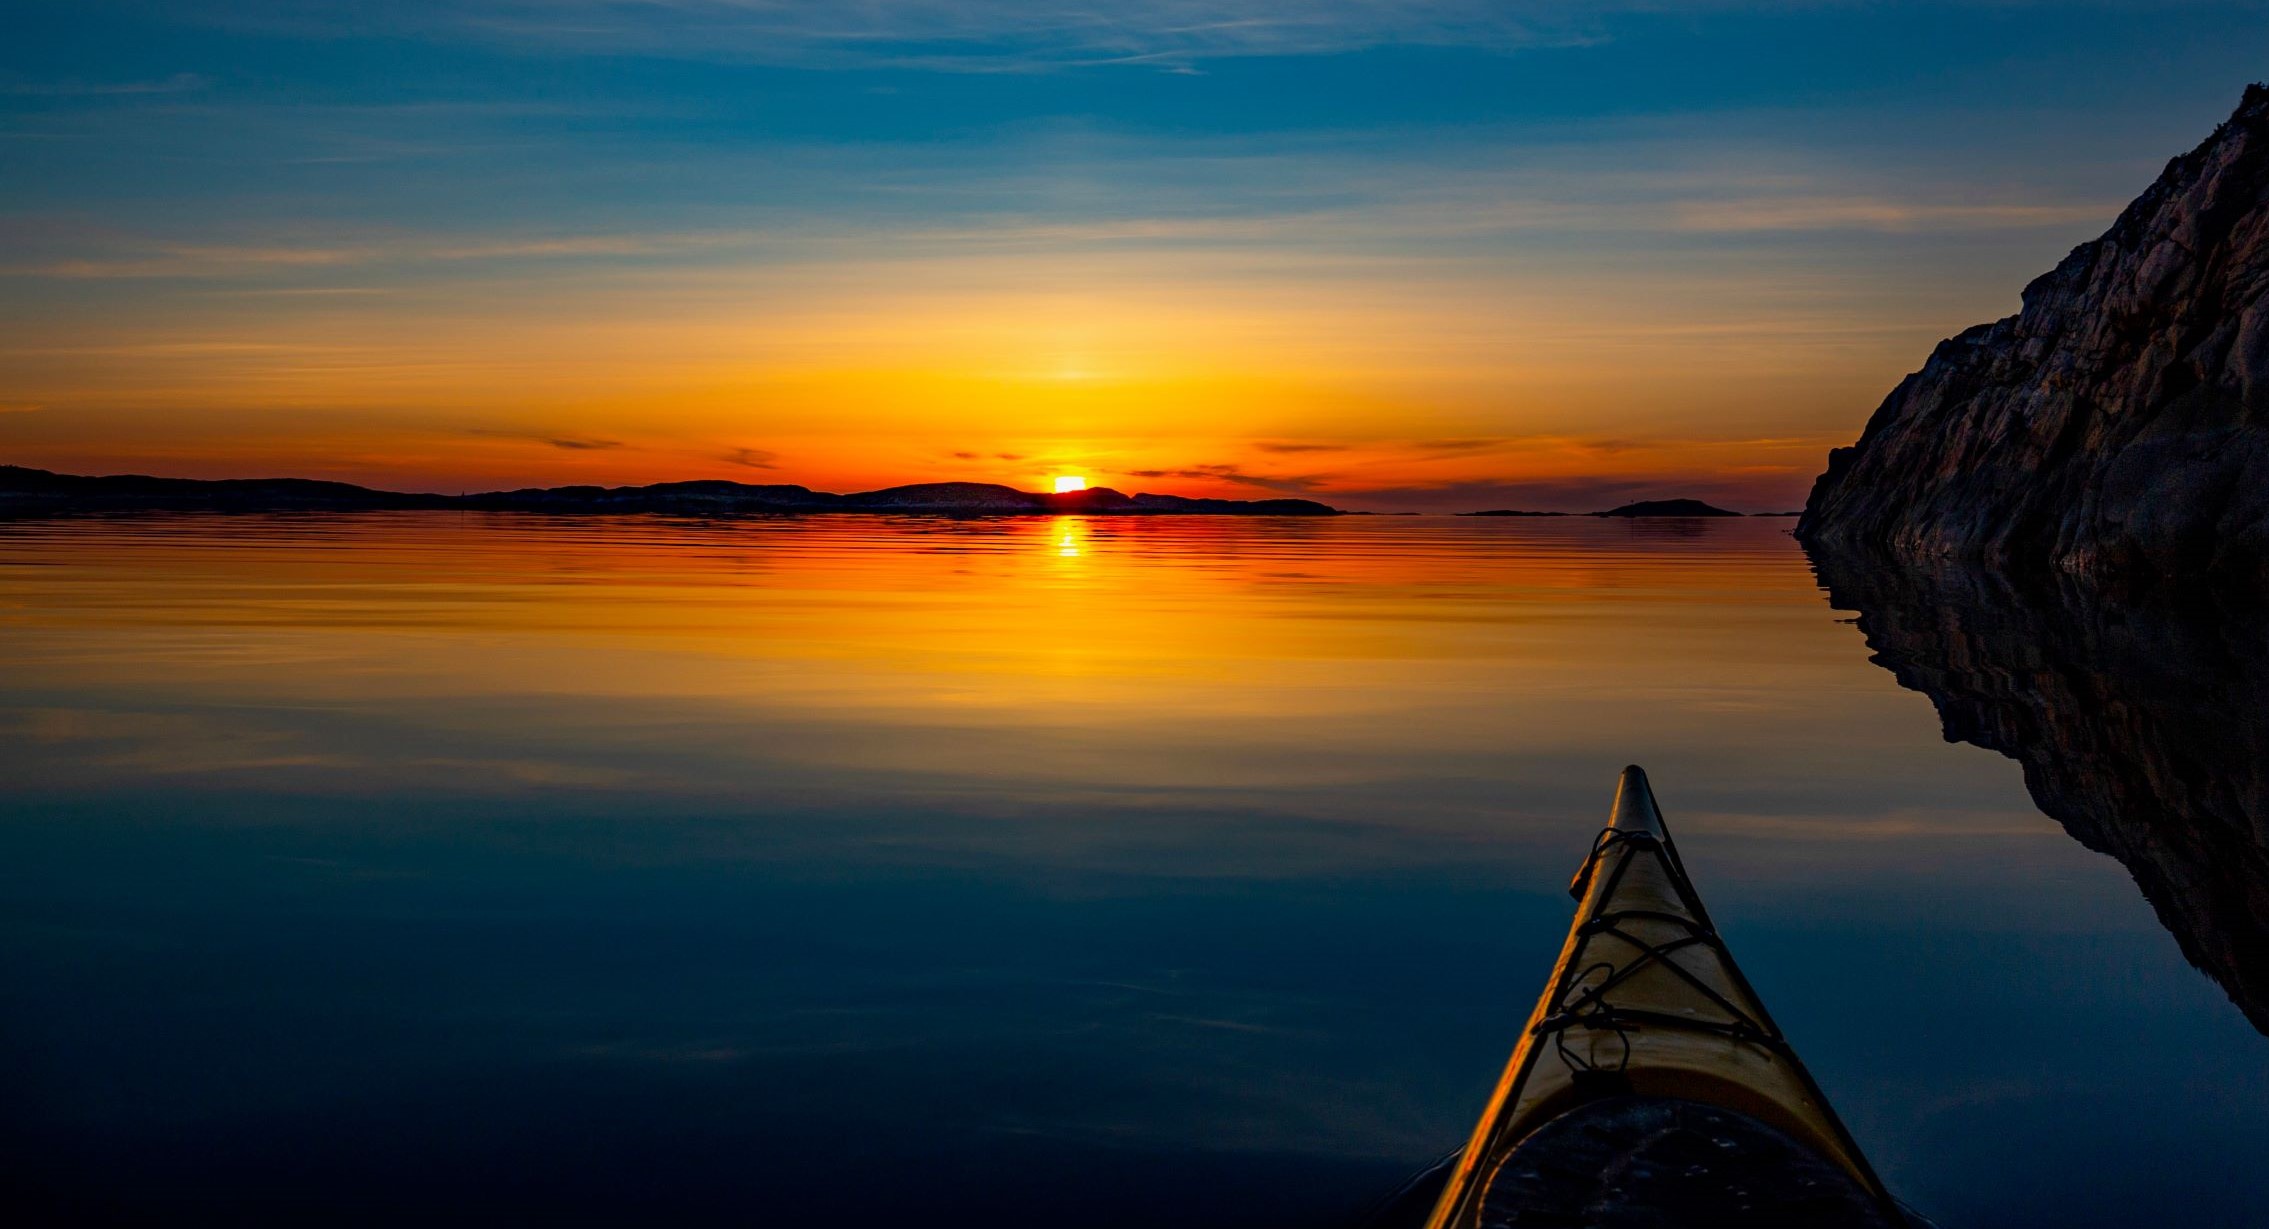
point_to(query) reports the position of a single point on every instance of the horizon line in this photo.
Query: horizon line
(1074, 496)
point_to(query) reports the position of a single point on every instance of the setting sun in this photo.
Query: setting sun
(1070, 483)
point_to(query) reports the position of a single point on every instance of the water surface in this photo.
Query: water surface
(1028, 871)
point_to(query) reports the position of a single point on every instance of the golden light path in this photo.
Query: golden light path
(1057, 667)
(1094, 655)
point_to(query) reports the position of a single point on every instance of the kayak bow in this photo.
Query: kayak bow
(1650, 1062)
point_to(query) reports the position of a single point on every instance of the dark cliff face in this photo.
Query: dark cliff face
(2142, 726)
(2118, 424)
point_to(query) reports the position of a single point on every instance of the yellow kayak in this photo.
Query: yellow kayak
(1650, 1085)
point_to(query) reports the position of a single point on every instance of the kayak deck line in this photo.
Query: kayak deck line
(1648, 1034)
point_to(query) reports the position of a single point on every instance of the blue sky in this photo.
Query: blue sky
(1634, 246)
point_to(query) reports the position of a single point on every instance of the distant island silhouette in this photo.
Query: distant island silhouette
(37, 490)
(28, 491)
(1668, 507)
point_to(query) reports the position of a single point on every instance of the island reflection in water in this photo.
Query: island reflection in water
(2141, 721)
(1108, 872)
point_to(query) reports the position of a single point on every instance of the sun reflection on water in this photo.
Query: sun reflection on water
(797, 795)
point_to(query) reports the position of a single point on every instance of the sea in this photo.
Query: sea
(1103, 871)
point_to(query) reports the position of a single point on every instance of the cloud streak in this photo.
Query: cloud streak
(1299, 484)
(563, 441)
(129, 257)
(973, 35)
(1390, 221)
(178, 83)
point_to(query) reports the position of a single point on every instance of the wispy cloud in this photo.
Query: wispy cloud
(992, 36)
(1398, 216)
(178, 83)
(564, 441)
(754, 458)
(1876, 213)
(573, 245)
(1295, 484)
(123, 257)
(191, 261)
(1458, 447)
(974, 35)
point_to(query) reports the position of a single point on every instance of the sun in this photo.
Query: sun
(1069, 483)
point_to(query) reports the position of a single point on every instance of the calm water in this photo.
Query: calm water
(1096, 872)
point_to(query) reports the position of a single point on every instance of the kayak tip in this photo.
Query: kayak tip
(1635, 809)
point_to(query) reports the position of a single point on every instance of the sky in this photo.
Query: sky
(1395, 255)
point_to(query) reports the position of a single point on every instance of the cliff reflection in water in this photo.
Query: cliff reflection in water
(2139, 721)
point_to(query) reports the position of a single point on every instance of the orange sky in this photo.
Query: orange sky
(1161, 369)
(1415, 256)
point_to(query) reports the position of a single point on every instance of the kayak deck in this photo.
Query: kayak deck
(1650, 1073)
(1658, 1162)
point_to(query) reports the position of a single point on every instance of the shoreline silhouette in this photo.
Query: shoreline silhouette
(29, 491)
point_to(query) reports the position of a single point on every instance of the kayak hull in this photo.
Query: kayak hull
(1646, 1008)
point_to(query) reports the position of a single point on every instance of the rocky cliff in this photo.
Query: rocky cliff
(2138, 722)
(2118, 424)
